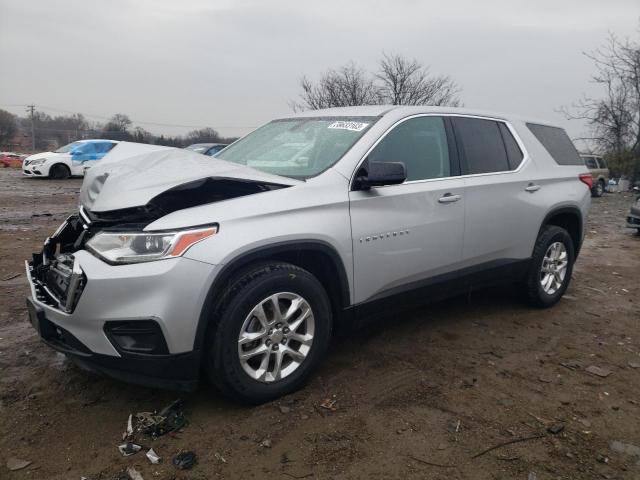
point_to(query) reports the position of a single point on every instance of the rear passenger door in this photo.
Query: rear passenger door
(404, 235)
(501, 212)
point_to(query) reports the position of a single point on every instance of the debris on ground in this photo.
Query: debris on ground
(454, 425)
(11, 276)
(555, 428)
(134, 474)
(329, 404)
(600, 458)
(284, 409)
(184, 460)
(220, 458)
(571, 364)
(153, 456)
(598, 371)
(14, 464)
(266, 443)
(626, 448)
(156, 424)
(129, 448)
(634, 364)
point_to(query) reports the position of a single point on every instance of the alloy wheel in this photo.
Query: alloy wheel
(276, 337)
(554, 268)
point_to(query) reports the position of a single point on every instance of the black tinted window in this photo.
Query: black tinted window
(421, 144)
(482, 143)
(557, 143)
(514, 154)
(601, 162)
(590, 162)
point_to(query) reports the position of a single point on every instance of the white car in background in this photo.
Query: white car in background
(69, 161)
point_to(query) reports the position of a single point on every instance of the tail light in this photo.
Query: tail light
(587, 179)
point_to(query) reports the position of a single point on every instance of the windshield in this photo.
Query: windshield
(69, 147)
(298, 147)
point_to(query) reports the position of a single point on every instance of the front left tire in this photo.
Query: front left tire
(59, 172)
(270, 331)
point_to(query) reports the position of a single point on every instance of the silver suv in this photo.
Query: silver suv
(241, 266)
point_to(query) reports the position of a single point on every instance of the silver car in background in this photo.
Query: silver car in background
(241, 266)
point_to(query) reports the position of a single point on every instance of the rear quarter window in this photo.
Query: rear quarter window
(590, 162)
(556, 141)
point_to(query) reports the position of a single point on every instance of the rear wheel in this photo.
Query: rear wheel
(271, 331)
(551, 267)
(59, 172)
(598, 189)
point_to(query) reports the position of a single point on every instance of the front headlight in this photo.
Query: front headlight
(39, 161)
(135, 247)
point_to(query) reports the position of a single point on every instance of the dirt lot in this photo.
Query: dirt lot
(421, 396)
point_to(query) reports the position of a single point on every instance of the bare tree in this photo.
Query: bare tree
(614, 119)
(400, 82)
(8, 127)
(407, 82)
(347, 86)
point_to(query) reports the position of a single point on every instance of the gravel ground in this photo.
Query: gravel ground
(425, 394)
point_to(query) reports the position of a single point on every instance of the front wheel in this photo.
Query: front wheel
(59, 172)
(551, 267)
(271, 331)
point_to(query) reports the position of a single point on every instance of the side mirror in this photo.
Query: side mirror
(377, 174)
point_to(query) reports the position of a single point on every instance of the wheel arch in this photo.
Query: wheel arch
(319, 258)
(59, 164)
(569, 218)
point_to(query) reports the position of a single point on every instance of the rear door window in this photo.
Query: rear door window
(601, 162)
(556, 141)
(483, 145)
(421, 144)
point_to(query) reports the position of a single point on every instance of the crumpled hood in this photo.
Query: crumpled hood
(131, 174)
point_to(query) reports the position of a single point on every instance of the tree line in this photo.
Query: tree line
(63, 129)
(613, 118)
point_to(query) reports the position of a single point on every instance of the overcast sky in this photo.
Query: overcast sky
(235, 64)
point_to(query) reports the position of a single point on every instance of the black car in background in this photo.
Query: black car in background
(209, 149)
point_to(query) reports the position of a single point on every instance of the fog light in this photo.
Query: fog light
(138, 337)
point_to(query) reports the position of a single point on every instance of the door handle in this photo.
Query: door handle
(532, 187)
(449, 198)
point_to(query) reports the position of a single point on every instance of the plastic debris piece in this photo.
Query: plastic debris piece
(134, 474)
(555, 428)
(184, 460)
(329, 404)
(598, 371)
(129, 431)
(153, 456)
(14, 464)
(266, 443)
(167, 420)
(127, 449)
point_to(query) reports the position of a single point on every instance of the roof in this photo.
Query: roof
(403, 110)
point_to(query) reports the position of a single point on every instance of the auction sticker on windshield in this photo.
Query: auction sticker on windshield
(354, 126)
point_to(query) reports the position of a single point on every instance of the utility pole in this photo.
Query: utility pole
(32, 109)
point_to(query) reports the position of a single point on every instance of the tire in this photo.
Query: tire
(598, 189)
(234, 314)
(535, 293)
(59, 172)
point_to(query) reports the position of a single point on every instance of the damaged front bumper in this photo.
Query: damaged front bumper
(134, 322)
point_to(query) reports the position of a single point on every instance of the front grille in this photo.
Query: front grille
(57, 284)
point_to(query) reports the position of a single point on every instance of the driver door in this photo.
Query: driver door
(407, 235)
